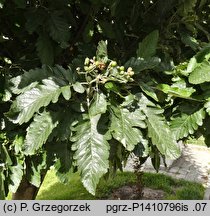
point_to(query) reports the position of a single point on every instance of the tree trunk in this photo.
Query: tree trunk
(139, 181)
(27, 191)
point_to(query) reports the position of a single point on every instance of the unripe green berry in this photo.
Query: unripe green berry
(122, 72)
(122, 68)
(113, 63)
(97, 63)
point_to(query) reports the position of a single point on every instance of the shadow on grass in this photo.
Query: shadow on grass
(174, 189)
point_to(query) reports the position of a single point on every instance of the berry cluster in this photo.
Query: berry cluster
(108, 70)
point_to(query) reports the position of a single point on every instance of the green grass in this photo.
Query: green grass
(52, 189)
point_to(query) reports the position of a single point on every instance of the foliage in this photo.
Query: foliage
(85, 83)
(110, 110)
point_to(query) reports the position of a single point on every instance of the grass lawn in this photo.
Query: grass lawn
(52, 189)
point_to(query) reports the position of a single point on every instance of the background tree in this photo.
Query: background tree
(86, 83)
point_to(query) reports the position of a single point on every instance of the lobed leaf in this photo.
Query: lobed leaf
(148, 90)
(91, 152)
(16, 174)
(58, 27)
(28, 103)
(102, 50)
(187, 124)
(140, 64)
(38, 132)
(63, 132)
(37, 164)
(123, 127)
(99, 105)
(161, 135)
(207, 106)
(29, 79)
(176, 91)
(158, 128)
(201, 73)
(64, 74)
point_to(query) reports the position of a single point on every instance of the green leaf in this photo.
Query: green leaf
(78, 87)
(191, 65)
(201, 73)
(203, 54)
(123, 127)
(91, 152)
(38, 132)
(66, 92)
(176, 91)
(189, 41)
(147, 48)
(62, 132)
(116, 156)
(158, 128)
(140, 64)
(155, 159)
(29, 79)
(102, 50)
(5, 156)
(207, 106)
(148, 90)
(99, 105)
(58, 27)
(66, 74)
(64, 157)
(18, 143)
(2, 179)
(161, 135)
(111, 86)
(35, 18)
(136, 114)
(187, 124)
(45, 49)
(28, 103)
(35, 168)
(16, 174)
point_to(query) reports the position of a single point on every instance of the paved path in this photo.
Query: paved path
(193, 165)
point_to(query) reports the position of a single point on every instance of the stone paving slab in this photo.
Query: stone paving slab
(193, 165)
